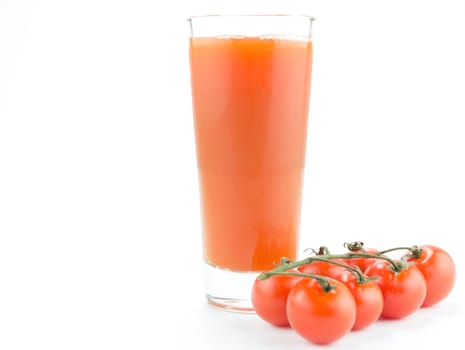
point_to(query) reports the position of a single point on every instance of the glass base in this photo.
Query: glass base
(229, 290)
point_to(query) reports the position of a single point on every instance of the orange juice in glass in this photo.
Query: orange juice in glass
(250, 89)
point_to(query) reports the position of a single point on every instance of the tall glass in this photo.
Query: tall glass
(250, 89)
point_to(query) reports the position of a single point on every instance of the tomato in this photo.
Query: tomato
(362, 263)
(438, 268)
(320, 316)
(403, 292)
(368, 298)
(269, 298)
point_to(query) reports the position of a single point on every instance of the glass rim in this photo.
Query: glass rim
(311, 18)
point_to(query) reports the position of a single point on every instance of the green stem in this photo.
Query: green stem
(395, 266)
(394, 249)
(414, 250)
(323, 281)
(286, 264)
(361, 279)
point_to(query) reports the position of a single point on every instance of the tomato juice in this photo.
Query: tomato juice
(250, 104)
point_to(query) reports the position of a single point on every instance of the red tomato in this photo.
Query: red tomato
(438, 268)
(403, 292)
(269, 298)
(320, 316)
(363, 263)
(368, 299)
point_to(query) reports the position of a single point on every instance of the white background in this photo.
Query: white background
(100, 243)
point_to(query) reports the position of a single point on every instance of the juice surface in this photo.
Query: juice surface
(250, 101)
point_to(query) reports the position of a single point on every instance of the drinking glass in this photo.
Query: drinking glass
(250, 79)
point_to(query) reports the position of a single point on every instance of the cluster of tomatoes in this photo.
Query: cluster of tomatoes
(325, 296)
